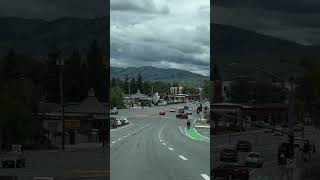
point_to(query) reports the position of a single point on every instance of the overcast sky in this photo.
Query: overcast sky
(295, 20)
(161, 33)
(53, 9)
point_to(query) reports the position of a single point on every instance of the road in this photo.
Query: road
(267, 144)
(156, 147)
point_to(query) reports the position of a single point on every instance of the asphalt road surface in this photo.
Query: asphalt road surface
(267, 144)
(154, 147)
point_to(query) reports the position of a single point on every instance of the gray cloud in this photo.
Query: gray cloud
(292, 20)
(140, 6)
(178, 39)
(53, 9)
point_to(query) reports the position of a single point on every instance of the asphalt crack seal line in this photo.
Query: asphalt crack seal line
(193, 134)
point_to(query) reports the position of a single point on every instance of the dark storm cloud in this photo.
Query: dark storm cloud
(292, 20)
(154, 36)
(140, 6)
(53, 9)
(291, 6)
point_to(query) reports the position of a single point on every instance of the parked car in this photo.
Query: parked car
(181, 111)
(254, 159)
(118, 122)
(13, 159)
(113, 122)
(182, 116)
(172, 110)
(114, 112)
(244, 146)
(230, 171)
(189, 112)
(124, 120)
(186, 107)
(267, 131)
(277, 133)
(297, 128)
(162, 113)
(43, 178)
(229, 155)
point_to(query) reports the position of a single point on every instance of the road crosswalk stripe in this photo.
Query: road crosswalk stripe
(204, 176)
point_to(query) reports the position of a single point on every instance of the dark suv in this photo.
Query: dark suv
(113, 122)
(229, 155)
(244, 146)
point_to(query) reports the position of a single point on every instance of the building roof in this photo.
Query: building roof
(135, 96)
(90, 105)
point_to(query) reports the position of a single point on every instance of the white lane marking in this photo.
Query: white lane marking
(119, 139)
(113, 142)
(204, 176)
(182, 131)
(182, 157)
(122, 127)
(164, 144)
(160, 140)
(171, 149)
(159, 134)
(251, 172)
(270, 162)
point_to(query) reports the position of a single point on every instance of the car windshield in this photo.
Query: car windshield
(254, 155)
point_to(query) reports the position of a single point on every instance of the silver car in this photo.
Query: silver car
(254, 159)
(124, 120)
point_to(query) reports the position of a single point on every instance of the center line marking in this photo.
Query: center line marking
(164, 143)
(206, 177)
(171, 149)
(182, 157)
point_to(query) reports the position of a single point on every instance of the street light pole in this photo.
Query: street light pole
(61, 64)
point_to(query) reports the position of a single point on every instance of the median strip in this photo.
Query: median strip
(193, 134)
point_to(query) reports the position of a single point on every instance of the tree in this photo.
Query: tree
(74, 88)
(206, 89)
(133, 86)
(116, 97)
(113, 82)
(125, 85)
(97, 71)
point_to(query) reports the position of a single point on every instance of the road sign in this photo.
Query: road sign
(72, 124)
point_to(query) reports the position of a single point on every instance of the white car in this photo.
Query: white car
(118, 122)
(278, 133)
(124, 120)
(172, 110)
(254, 159)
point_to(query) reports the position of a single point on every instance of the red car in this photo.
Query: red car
(182, 116)
(162, 113)
(229, 170)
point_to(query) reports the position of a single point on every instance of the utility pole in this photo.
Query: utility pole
(60, 63)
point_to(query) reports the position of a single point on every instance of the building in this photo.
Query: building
(273, 113)
(138, 99)
(80, 119)
(176, 90)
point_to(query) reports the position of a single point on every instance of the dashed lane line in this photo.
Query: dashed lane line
(182, 157)
(205, 176)
(164, 144)
(171, 149)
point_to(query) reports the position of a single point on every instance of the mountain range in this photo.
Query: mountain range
(239, 52)
(236, 51)
(158, 74)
